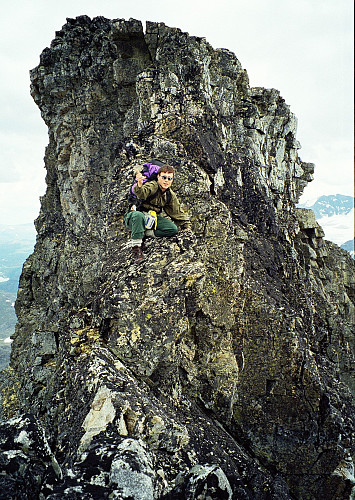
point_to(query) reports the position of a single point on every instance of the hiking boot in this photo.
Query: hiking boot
(137, 253)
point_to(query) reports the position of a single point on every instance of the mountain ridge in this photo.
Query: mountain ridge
(328, 205)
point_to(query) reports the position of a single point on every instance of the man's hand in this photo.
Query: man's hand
(139, 178)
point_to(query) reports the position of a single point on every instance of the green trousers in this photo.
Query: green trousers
(135, 221)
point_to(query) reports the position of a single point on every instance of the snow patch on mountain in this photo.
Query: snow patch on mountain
(349, 247)
(335, 214)
(338, 228)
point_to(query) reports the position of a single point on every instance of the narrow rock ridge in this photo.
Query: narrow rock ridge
(221, 365)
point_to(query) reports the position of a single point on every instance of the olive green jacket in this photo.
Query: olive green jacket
(172, 209)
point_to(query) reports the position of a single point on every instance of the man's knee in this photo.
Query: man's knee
(138, 216)
(134, 217)
(167, 230)
(174, 230)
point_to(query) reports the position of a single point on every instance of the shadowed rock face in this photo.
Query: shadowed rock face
(221, 364)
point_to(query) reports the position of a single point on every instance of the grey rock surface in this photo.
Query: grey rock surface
(221, 366)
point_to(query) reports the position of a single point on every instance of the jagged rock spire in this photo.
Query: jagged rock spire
(221, 363)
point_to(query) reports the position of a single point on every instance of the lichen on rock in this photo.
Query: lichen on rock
(222, 363)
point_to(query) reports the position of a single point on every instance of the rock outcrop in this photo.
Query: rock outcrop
(221, 365)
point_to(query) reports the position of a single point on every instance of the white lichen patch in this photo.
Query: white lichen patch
(102, 413)
(23, 439)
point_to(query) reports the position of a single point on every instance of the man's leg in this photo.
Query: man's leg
(135, 220)
(165, 227)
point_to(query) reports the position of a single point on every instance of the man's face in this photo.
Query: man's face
(165, 179)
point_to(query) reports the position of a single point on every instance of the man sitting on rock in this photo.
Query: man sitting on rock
(164, 198)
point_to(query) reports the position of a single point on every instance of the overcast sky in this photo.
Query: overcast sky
(304, 49)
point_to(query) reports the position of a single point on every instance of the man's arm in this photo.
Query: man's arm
(142, 192)
(178, 215)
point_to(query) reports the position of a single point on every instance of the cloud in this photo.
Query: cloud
(303, 49)
(20, 202)
(338, 228)
(21, 155)
(332, 174)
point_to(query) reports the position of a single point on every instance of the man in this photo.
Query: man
(164, 198)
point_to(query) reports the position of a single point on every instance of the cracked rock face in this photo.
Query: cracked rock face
(220, 366)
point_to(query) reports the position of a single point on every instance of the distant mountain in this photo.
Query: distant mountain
(18, 233)
(7, 325)
(349, 247)
(335, 214)
(327, 206)
(16, 244)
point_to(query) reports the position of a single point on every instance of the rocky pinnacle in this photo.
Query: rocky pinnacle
(221, 365)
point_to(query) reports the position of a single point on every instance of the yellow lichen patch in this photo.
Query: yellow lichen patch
(10, 401)
(80, 331)
(136, 333)
(90, 333)
(93, 334)
(51, 364)
(84, 339)
(191, 279)
(9, 395)
(85, 349)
